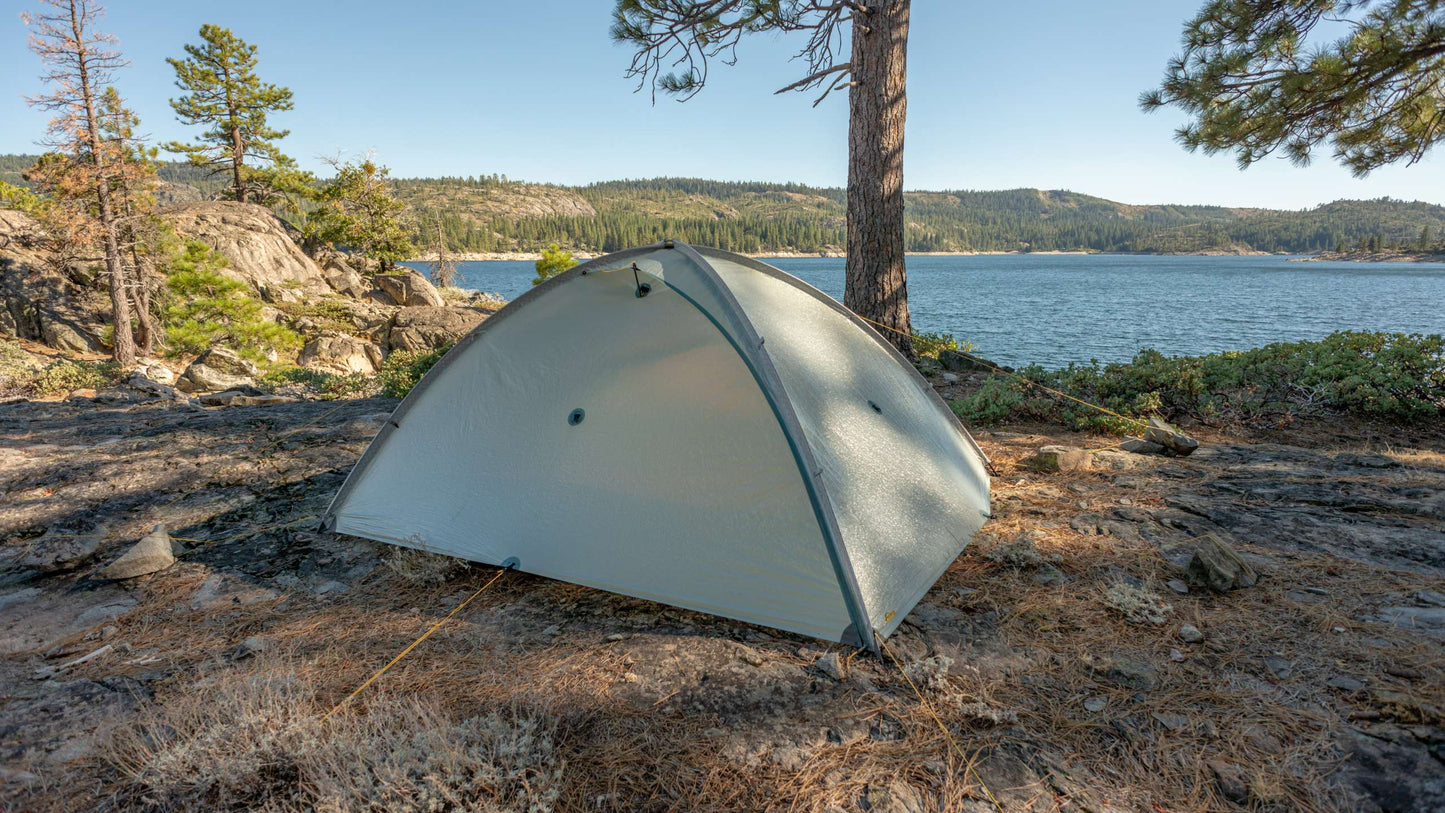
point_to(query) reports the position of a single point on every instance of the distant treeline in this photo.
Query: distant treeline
(493, 213)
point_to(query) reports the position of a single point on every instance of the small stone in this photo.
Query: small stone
(1279, 666)
(1217, 566)
(950, 377)
(1345, 683)
(255, 643)
(1317, 591)
(150, 555)
(1190, 634)
(830, 665)
(1177, 586)
(617, 636)
(1174, 442)
(331, 586)
(1230, 781)
(1337, 629)
(1062, 459)
(552, 630)
(1176, 656)
(1140, 446)
(1430, 597)
(1047, 575)
(1131, 672)
(108, 631)
(1095, 704)
(751, 657)
(1171, 721)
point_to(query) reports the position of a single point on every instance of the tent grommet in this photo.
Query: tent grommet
(575, 416)
(512, 563)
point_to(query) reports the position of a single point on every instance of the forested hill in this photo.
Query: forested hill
(492, 213)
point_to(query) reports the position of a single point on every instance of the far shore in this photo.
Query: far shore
(491, 256)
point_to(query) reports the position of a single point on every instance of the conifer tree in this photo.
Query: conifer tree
(1253, 81)
(689, 33)
(358, 211)
(79, 63)
(553, 261)
(443, 269)
(224, 94)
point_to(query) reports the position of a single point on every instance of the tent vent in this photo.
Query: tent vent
(576, 417)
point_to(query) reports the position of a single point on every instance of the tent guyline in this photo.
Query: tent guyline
(687, 426)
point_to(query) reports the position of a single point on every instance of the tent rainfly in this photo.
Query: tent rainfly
(688, 426)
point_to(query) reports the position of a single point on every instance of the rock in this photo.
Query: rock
(19, 597)
(409, 289)
(830, 665)
(1141, 446)
(1059, 459)
(1190, 634)
(1368, 461)
(331, 587)
(1047, 575)
(958, 361)
(255, 643)
(751, 657)
(552, 630)
(1170, 720)
(1345, 683)
(147, 385)
(341, 354)
(1131, 672)
(1177, 586)
(1115, 460)
(900, 797)
(616, 636)
(1095, 704)
(155, 370)
(67, 337)
(1430, 620)
(261, 400)
(1230, 781)
(1280, 667)
(1176, 656)
(1430, 597)
(256, 245)
(84, 392)
(1174, 442)
(344, 279)
(219, 368)
(217, 591)
(150, 555)
(60, 552)
(422, 329)
(949, 378)
(1218, 567)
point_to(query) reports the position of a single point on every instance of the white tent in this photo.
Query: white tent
(688, 426)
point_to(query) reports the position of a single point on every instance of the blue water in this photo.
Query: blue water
(1053, 309)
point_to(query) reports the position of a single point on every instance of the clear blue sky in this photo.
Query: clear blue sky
(1001, 95)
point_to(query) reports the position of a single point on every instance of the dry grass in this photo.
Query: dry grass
(421, 567)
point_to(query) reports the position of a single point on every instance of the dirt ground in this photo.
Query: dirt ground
(1052, 659)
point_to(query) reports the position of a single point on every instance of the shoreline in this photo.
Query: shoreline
(583, 256)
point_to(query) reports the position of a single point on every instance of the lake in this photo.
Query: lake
(1055, 309)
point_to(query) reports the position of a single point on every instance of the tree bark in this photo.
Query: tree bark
(877, 285)
(122, 342)
(238, 150)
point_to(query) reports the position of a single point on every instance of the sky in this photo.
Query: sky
(1000, 95)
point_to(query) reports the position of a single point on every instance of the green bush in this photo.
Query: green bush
(203, 309)
(1383, 376)
(403, 369)
(930, 344)
(67, 376)
(318, 384)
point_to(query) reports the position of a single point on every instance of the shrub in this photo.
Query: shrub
(16, 370)
(422, 567)
(1386, 376)
(930, 344)
(67, 376)
(319, 384)
(403, 369)
(257, 742)
(203, 308)
(553, 262)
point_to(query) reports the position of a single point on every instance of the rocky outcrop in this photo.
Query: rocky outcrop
(430, 328)
(260, 251)
(42, 299)
(341, 354)
(219, 368)
(408, 289)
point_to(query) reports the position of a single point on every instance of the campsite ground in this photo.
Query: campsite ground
(203, 686)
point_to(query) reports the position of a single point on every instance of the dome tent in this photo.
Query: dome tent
(688, 426)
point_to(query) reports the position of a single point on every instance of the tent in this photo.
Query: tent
(688, 426)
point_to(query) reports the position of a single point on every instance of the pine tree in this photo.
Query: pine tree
(690, 33)
(224, 94)
(552, 262)
(359, 212)
(79, 62)
(1254, 83)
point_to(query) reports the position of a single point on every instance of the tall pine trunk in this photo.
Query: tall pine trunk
(877, 285)
(122, 343)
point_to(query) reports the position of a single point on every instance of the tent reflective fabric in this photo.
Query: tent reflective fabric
(733, 441)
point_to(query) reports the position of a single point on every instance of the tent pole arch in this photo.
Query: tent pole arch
(771, 385)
